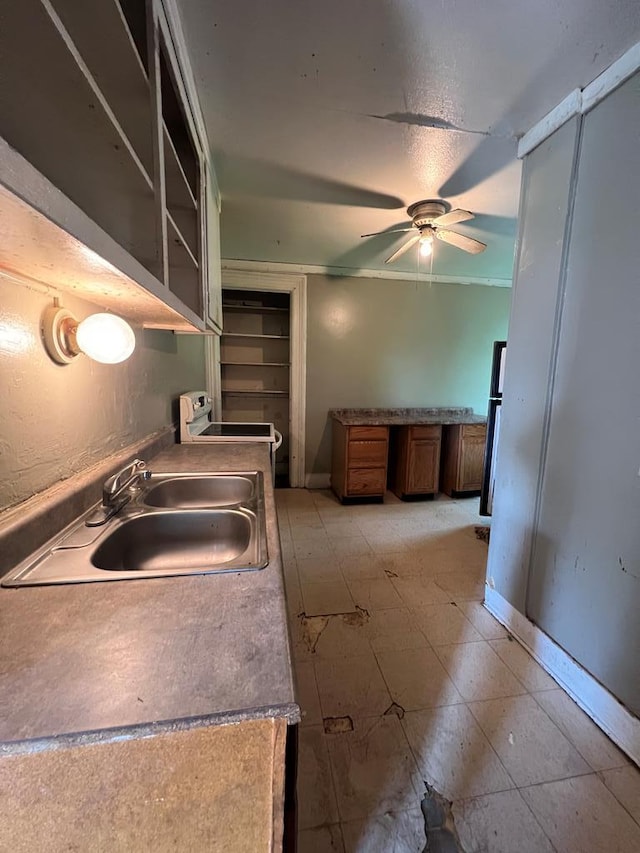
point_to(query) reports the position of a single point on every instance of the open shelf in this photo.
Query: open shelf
(179, 192)
(242, 393)
(255, 363)
(263, 337)
(103, 37)
(176, 235)
(135, 14)
(184, 272)
(95, 146)
(176, 125)
(84, 111)
(253, 309)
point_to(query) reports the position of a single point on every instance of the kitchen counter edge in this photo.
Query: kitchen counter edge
(406, 417)
(218, 603)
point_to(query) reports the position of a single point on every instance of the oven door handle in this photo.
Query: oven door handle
(278, 440)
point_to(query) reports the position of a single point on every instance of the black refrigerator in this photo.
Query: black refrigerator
(493, 426)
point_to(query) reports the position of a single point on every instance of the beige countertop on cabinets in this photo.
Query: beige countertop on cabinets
(96, 661)
(217, 788)
(407, 416)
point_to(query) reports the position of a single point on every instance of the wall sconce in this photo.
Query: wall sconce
(103, 337)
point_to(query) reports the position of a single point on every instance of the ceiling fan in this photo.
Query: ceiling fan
(427, 218)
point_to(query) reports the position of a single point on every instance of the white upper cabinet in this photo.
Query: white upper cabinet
(103, 148)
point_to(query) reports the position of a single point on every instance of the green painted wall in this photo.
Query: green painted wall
(55, 420)
(374, 342)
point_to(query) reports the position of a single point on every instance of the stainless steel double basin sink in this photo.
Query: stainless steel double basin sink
(174, 524)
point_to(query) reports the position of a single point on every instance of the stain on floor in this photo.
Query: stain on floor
(337, 725)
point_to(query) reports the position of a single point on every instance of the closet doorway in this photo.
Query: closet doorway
(262, 360)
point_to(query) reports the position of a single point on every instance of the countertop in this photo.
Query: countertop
(137, 657)
(215, 788)
(406, 417)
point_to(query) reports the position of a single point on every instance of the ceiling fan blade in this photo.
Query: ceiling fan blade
(460, 241)
(452, 217)
(405, 246)
(395, 231)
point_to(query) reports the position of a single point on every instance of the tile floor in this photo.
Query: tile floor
(390, 636)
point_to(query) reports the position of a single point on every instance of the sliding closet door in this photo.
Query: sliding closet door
(584, 584)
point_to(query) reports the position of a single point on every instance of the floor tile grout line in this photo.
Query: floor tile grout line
(556, 727)
(334, 784)
(599, 774)
(515, 640)
(508, 775)
(486, 699)
(377, 717)
(566, 735)
(535, 818)
(331, 775)
(337, 824)
(534, 696)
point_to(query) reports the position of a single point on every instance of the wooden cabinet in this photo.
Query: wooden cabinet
(462, 458)
(359, 460)
(110, 156)
(415, 460)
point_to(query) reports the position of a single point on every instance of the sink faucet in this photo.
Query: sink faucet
(115, 486)
(116, 491)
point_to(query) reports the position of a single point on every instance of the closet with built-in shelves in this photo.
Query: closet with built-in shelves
(255, 363)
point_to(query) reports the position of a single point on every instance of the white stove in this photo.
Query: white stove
(196, 425)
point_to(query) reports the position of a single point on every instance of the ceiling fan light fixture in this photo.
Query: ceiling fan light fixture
(427, 221)
(426, 246)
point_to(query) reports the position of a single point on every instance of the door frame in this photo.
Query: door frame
(296, 287)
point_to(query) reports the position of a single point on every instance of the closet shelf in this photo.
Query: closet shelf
(256, 363)
(254, 309)
(259, 337)
(230, 392)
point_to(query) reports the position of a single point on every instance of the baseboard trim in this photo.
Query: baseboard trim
(604, 709)
(317, 481)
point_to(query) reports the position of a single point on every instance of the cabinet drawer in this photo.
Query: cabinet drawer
(363, 454)
(367, 481)
(426, 431)
(474, 430)
(379, 433)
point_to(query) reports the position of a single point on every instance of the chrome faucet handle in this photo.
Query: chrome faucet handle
(113, 497)
(114, 485)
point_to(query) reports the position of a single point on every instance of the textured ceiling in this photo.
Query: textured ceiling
(328, 118)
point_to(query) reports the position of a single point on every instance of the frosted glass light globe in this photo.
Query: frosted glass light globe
(106, 338)
(426, 246)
